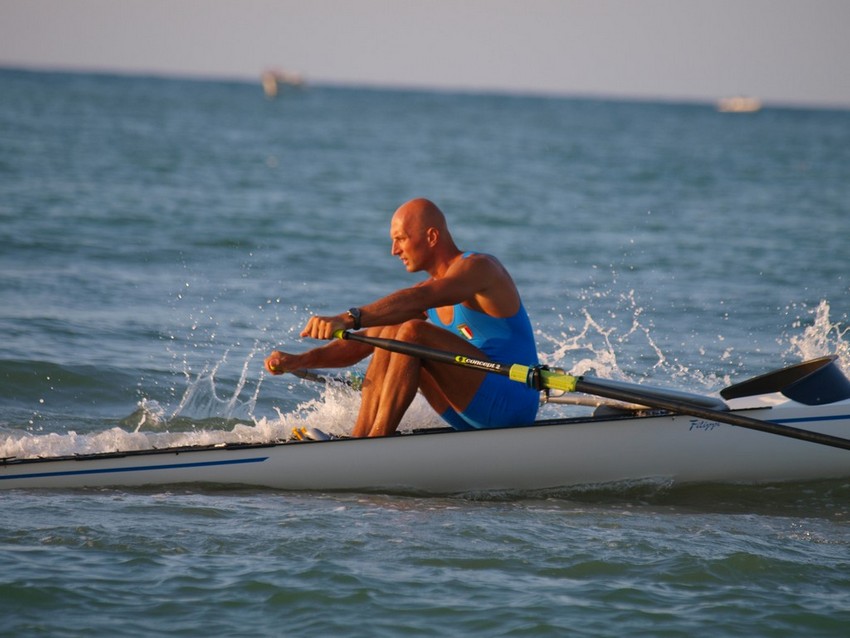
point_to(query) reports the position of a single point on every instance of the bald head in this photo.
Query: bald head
(418, 215)
(421, 236)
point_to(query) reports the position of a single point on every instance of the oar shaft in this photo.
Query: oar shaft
(308, 375)
(416, 350)
(317, 377)
(514, 371)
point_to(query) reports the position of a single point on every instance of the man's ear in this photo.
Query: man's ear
(433, 235)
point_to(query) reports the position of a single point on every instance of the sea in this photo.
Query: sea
(160, 236)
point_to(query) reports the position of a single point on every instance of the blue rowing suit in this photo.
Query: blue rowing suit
(499, 401)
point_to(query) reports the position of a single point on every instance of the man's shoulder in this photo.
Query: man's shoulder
(471, 258)
(474, 264)
(485, 262)
(484, 269)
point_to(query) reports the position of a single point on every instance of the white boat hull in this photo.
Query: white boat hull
(547, 455)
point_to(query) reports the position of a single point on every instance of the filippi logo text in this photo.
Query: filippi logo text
(705, 426)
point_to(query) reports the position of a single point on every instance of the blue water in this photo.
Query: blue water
(159, 237)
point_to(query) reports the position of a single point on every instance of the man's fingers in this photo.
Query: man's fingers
(318, 328)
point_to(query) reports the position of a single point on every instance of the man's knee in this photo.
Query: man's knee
(411, 330)
(425, 333)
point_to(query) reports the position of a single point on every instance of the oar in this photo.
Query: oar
(539, 377)
(312, 375)
(308, 375)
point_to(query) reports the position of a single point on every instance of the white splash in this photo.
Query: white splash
(594, 347)
(333, 410)
(620, 345)
(821, 337)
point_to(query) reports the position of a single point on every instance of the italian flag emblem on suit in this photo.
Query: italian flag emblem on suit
(465, 331)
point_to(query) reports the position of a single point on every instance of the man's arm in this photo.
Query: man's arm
(336, 354)
(478, 279)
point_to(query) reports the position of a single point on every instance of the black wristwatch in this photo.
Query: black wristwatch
(354, 313)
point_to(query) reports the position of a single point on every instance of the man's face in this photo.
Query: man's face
(409, 243)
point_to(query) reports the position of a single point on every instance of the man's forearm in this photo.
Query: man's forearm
(336, 354)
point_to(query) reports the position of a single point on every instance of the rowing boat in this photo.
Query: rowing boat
(616, 444)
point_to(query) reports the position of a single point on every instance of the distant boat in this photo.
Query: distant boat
(274, 79)
(739, 104)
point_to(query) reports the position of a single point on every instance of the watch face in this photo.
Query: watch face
(354, 313)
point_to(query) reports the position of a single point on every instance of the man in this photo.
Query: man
(475, 310)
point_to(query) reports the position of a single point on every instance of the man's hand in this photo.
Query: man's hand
(324, 327)
(279, 362)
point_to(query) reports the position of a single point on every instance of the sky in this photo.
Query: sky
(787, 52)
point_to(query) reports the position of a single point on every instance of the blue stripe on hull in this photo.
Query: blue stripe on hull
(813, 419)
(136, 468)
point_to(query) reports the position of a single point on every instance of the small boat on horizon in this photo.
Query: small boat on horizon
(739, 104)
(273, 80)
